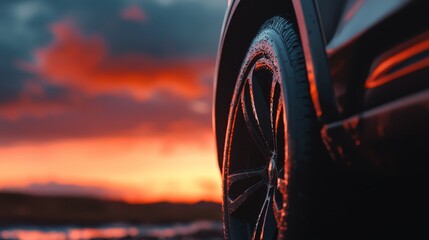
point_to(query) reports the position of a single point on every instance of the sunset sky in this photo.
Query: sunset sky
(109, 98)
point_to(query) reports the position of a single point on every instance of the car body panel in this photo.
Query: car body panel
(356, 18)
(390, 139)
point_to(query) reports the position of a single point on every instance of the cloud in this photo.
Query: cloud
(84, 62)
(134, 13)
(72, 83)
(72, 114)
(24, 27)
(63, 189)
(181, 29)
(28, 11)
(208, 3)
(35, 99)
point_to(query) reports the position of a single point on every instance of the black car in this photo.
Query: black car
(321, 117)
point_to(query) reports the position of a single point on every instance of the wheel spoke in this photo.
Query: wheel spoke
(278, 117)
(237, 202)
(266, 224)
(260, 110)
(277, 210)
(281, 185)
(270, 226)
(244, 175)
(253, 125)
(274, 103)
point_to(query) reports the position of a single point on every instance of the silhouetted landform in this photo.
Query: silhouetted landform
(52, 210)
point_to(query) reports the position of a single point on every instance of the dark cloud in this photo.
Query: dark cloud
(62, 189)
(181, 28)
(176, 27)
(11, 80)
(82, 116)
(134, 13)
(98, 74)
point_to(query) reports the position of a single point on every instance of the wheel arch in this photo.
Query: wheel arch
(241, 24)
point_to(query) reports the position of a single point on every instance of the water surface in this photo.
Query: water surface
(194, 230)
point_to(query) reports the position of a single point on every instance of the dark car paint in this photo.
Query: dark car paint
(390, 139)
(355, 18)
(364, 50)
(382, 126)
(331, 32)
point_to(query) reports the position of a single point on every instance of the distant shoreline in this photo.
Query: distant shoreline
(24, 209)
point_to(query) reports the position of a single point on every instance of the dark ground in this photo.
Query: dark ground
(42, 210)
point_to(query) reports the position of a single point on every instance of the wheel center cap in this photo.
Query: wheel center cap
(272, 172)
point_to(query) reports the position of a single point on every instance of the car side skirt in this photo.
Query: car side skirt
(391, 139)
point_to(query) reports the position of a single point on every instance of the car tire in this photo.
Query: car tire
(273, 154)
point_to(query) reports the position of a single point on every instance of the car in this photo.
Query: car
(321, 116)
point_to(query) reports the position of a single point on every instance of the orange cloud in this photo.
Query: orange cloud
(75, 60)
(134, 13)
